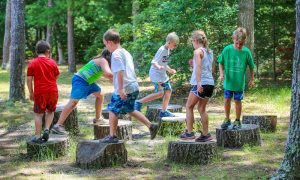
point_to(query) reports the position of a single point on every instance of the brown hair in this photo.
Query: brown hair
(112, 35)
(200, 36)
(106, 55)
(41, 47)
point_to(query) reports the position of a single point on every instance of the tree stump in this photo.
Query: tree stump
(105, 114)
(191, 152)
(56, 146)
(153, 111)
(265, 122)
(124, 130)
(174, 126)
(71, 123)
(93, 154)
(248, 134)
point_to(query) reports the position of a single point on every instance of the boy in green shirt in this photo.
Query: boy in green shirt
(233, 62)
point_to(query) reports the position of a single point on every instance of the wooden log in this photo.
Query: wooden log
(174, 126)
(124, 130)
(56, 146)
(191, 152)
(105, 114)
(71, 123)
(153, 111)
(248, 134)
(265, 122)
(93, 154)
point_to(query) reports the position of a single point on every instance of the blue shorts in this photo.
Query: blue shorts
(238, 95)
(122, 106)
(81, 89)
(160, 86)
(207, 91)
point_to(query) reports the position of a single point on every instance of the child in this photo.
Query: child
(84, 84)
(202, 83)
(232, 65)
(159, 76)
(126, 88)
(44, 72)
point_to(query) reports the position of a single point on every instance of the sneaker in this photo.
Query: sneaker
(226, 123)
(109, 139)
(138, 105)
(37, 140)
(237, 124)
(59, 129)
(186, 135)
(99, 121)
(153, 130)
(45, 135)
(166, 114)
(203, 138)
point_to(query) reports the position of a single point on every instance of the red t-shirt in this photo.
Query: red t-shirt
(44, 71)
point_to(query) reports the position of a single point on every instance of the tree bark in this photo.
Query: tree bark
(56, 146)
(60, 53)
(71, 51)
(246, 20)
(7, 35)
(153, 111)
(248, 134)
(290, 166)
(17, 51)
(135, 10)
(49, 26)
(124, 130)
(93, 154)
(201, 153)
(266, 122)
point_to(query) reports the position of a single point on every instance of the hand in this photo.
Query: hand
(191, 62)
(31, 96)
(251, 83)
(172, 71)
(221, 77)
(122, 94)
(199, 88)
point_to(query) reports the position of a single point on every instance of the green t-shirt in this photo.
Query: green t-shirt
(90, 72)
(234, 64)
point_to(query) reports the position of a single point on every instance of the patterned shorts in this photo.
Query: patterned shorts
(237, 95)
(122, 106)
(162, 86)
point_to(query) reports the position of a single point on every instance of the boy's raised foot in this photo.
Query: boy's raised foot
(45, 135)
(109, 139)
(226, 123)
(59, 129)
(153, 130)
(166, 114)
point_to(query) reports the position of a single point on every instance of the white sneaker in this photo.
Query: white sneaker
(59, 129)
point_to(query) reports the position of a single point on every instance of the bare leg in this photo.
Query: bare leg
(38, 124)
(227, 104)
(48, 119)
(238, 109)
(166, 99)
(67, 110)
(190, 104)
(98, 103)
(204, 116)
(140, 117)
(113, 124)
(151, 97)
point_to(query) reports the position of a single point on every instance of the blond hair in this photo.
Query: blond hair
(200, 36)
(240, 34)
(112, 35)
(172, 37)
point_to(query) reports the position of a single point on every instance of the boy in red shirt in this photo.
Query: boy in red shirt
(43, 71)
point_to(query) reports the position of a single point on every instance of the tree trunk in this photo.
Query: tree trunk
(56, 146)
(248, 134)
(71, 51)
(201, 153)
(266, 123)
(93, 154)
(49, 26)
(153, 111)
(135, 10)
(60, 53)
(290, 166)
(246, 20)
(17, 51)
(7, 35)
(124, 130)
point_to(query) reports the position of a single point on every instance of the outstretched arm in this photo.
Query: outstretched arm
(105, 67)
